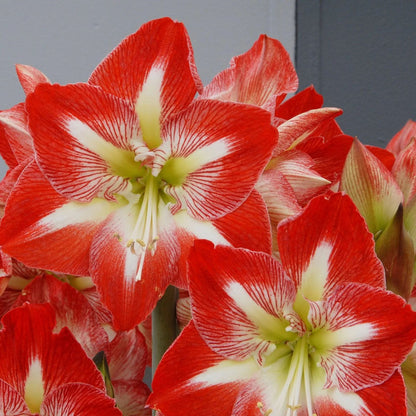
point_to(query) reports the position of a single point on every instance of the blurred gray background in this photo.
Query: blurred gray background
(359, 54)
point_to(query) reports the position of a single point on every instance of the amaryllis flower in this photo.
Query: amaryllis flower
(316, 334)
(125, 351)
(47, 373)
(128, 173)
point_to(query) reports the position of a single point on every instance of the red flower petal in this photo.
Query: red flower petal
(303, 101)
(78, 399)
(256, 76)
(72, 310)
(278, 195)
(213, 140)
(402, 138)
(92, 133)
(127, 356)
(159, 52)
(131, 398)
(384, 399)
(250, 293)
(128, 291)
(34, 356)
(250, 216)
(11, 402)
(404, 171)
(40, 235)
(16, 142)
(178, 393)
(327, 244)
(328, 153)
(358, 321)
(30, 77)
(295, 130)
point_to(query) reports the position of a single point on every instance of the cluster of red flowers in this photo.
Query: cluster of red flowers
(292, 244)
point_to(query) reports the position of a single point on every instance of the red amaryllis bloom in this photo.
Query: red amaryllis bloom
(47, 373)
(128, 173)
(316, 334)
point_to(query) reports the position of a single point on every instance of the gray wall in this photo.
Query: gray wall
(67, 39)
(361, 56)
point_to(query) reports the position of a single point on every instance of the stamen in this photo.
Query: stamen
(297, 381)
(144, 236)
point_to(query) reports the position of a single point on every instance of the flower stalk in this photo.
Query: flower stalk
(164, 325)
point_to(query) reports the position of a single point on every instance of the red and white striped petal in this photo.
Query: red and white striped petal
(386, 399)
(16, 144)
(353, 327)
(404, 171)
(12, 402)
(30, 77)
(154, 70)
(91, 131)
(295, 130)
(248, 226)
(204, 150)
(402, 138)
(328, 154)
(278, 195)
(263, 72)
(206, 384)
(386, 157)
(78, 399)
(371, 186)
(251, 295)
(127, 356)
(131, 398)
(298, 168)
(313, 247)
(131, 278)
(35, 361)
(250, 216)
(7, 184)
(54, 234)
(72, 310)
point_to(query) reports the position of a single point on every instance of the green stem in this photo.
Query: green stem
(164, 325)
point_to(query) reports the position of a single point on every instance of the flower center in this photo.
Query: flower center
(297, 387)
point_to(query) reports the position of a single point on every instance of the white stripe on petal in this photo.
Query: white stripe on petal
(262, 319)
(226, 371)
(200, 229)
(85, 135)
(315, 276)
(209, 153)
(149, 108)
(326, 339)
(351, 402)
(74, 213)
(34, 388)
